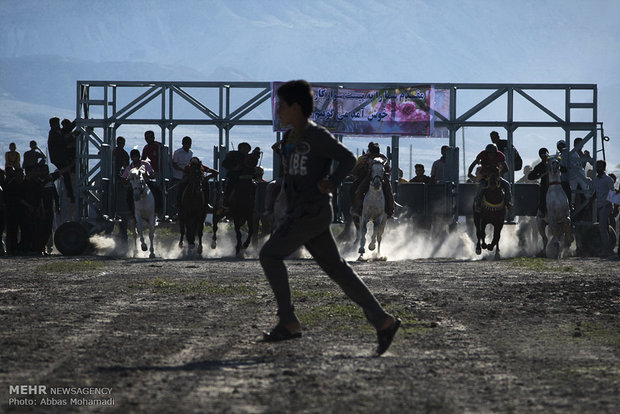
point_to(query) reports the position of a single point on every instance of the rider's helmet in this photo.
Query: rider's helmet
(560, 145)
(491, 148)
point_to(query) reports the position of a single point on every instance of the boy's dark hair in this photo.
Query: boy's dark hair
(55, 121)
(418, 166)
(298, 91)
(134, 152)
(244, 145)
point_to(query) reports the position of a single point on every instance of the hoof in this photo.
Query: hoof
(199, 251)
(478, 250)
(180, 245)
(144, 247)
(213, 245)
(371, 246)
(152, 256)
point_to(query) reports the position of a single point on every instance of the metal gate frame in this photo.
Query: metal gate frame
(95, 178)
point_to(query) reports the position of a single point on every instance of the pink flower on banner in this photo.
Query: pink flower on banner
(405, 112)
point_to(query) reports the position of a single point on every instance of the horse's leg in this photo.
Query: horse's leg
(140, 233)
(542, 231)
(238, 224)
(152, 234)
(199, 231)
(375, 230)
(250, 222)
(478, 234)
(497, 232)
(358, 228)
(216, 218)
(362, 236)
(181, 229)
(382, 221)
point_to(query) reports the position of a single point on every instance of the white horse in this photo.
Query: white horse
(373, 209)
(144, 207)
(558, 214)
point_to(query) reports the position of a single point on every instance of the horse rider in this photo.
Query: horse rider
(240, 165)
(136, 162)
(491, 157)
(206, 174)
(361, 181)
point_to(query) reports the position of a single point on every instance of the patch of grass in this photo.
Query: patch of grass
(71, 266)
(203, 287)
(351, 316)
(599, 333)
(331, 314)
(539, 264)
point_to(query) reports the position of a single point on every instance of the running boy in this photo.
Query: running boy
(307, 152)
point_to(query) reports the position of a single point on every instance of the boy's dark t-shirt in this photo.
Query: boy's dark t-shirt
(307, 161)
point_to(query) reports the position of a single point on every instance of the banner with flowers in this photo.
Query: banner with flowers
(404, 111)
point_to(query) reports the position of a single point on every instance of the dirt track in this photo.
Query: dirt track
(518, 335)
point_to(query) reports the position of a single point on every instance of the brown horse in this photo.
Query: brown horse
(241, 211)
(492, 211)
(193, 207)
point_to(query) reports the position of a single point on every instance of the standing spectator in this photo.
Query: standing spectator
(439, 166)
(120, 156)
(525, 180)
(32, 208)
(2, 208)
(603, 184)
(32, 156)
(69, 135)
(13, 191)
(308, 153)
(152, 150)
(51, 206)
(540, 173)
(180, 159)
(12, 157)
(577, 162)
(57, 147)
(121, 161)
(420, 177)
(563, 153)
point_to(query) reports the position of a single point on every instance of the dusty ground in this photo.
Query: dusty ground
(517, 335)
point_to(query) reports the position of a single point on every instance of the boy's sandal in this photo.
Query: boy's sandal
(385, 336)
(280, 333)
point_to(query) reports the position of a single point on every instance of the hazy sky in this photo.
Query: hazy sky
(410, 41)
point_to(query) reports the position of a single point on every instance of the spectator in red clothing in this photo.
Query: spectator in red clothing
(152, 150)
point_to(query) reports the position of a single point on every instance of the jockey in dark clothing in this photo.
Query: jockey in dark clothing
(361, 181)
(240, 165)
(206, 174)
(491, 157)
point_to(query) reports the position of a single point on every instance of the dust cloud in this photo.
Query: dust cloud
(402, 240)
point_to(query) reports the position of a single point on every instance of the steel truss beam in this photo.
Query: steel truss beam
(95, 178)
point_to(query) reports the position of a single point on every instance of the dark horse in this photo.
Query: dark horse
(193, 206)
(241, 211)
(492, 211)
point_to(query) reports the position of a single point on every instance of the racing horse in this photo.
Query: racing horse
(144, 207)
(557, 217)
(193, 207)
(241, 211)
(492, 210)
(373, 209)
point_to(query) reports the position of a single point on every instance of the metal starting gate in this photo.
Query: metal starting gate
(103, 106)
